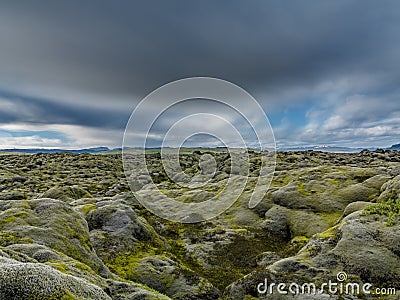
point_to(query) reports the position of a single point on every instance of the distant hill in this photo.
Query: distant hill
(105, 150)
(394, 147)
(41, 150)
(335, 149)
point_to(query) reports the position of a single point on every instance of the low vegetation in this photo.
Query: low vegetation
(71, 226)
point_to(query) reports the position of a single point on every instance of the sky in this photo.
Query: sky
(324, 72)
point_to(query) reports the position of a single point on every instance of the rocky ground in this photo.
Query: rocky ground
(72, 229)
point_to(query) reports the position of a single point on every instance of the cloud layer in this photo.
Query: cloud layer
(324, 72)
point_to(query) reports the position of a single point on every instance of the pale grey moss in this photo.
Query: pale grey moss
(37, 281)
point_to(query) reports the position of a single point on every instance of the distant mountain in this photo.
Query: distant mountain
(394, 147)
(41, 150)
(335, 149)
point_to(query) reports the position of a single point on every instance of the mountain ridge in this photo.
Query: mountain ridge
(100, 149)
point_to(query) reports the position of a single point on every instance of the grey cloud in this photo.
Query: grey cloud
(357, 121)
(282, 52)
(133, 47)
(360, 110)
(26, 109)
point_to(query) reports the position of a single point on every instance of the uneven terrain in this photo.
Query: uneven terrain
(70, 228)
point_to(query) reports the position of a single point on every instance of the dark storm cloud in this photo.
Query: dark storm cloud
(31, 110)
(283, 52)
(133, 47)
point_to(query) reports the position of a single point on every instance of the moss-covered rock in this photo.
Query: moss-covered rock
(37, 281)
(116, 229)
(367, 250)
(355, 206)
(66, 194)
(323, 213)
(168, 277)
(276, 222)
(132, 291)
(52, 223)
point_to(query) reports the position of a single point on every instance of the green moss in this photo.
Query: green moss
(9, 238)
(174, 229)
(390, 209)
(84, 239)
(281, 180)
(248, 297)
(168, 280)
(23, 204)
(85, 209)
(69, 296)
(330, 233)
(60, 266)
(372, 197)
(124, 265)
(64, 296)
(331, 218)
(310, 252)
(179, 253)
(9, 219)
(302, 190)
(82, 266)
(238, 228)
(297, 243)
(15, 216)
(333, 181)
(230, 262)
